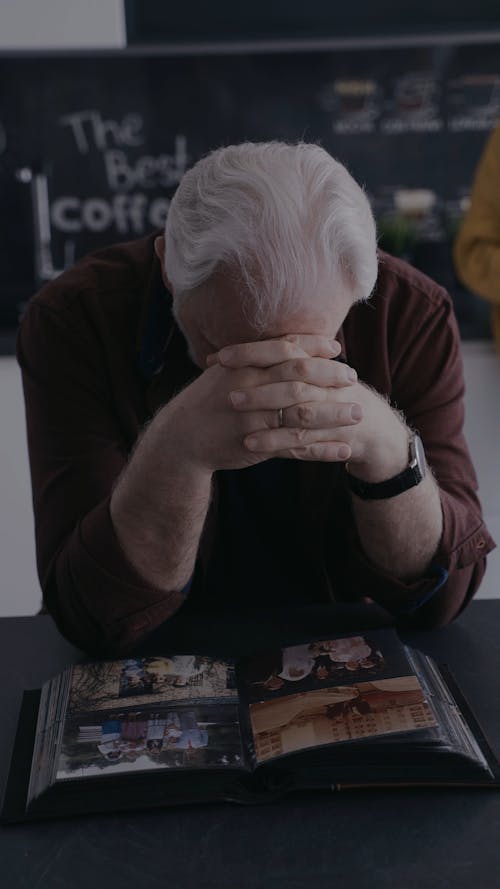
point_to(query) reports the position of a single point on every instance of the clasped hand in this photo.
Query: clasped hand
(326, 413)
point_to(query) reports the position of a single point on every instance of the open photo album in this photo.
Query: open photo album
(357, 710)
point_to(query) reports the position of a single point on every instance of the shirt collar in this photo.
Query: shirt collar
(156, 324)
(162, 354)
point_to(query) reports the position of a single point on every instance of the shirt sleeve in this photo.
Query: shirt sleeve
(77, 451)
(428, 386)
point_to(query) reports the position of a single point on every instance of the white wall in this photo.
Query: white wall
(19, 588)
(58, 24)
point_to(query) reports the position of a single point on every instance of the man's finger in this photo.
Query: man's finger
(278, 440)
(265, 353)
(276, 395)
(314, 344)
(273, 396)
(322, 415)
(315, 371)
(325, 451)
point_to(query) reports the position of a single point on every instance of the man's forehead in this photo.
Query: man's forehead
(232, 324)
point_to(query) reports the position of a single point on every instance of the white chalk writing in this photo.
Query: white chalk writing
(164, 170)
(128, 209)
(90, 129)
(474, 124)
(396, 126)
(346, 126)
(127, 213)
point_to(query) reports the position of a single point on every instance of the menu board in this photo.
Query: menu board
(92, 147)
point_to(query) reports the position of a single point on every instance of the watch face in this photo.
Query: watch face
(418, 455)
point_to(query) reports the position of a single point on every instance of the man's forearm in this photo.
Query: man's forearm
(401, 535)
(158, 508)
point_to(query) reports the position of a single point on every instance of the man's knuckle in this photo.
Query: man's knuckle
(300, 435)
(299, 367)
(320, 451)
(297, 390)
(300, 452)
(305, 414)
(289, 349)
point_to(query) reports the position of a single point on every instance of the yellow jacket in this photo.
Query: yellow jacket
(477, 248)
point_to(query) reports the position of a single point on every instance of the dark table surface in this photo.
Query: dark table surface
(444, 839)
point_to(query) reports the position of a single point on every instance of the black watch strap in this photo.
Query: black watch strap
(409, 478)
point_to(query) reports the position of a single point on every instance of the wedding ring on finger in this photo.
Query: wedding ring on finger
(281, 419)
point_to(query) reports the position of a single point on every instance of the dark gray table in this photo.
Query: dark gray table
(444, 839)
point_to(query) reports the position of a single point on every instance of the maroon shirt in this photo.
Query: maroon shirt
(100, 353)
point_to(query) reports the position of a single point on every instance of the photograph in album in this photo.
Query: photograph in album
(354, 710)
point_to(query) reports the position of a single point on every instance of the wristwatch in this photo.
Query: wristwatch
(409, 478)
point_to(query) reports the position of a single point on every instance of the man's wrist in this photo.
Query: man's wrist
(386, 456)
(174, 447)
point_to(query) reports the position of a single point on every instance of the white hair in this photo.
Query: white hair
(280, 218)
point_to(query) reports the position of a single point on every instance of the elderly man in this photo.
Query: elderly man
(254, 408)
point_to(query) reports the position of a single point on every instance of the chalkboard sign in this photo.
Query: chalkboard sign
(92, 147)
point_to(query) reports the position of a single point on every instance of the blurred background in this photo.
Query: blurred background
(105, 104)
